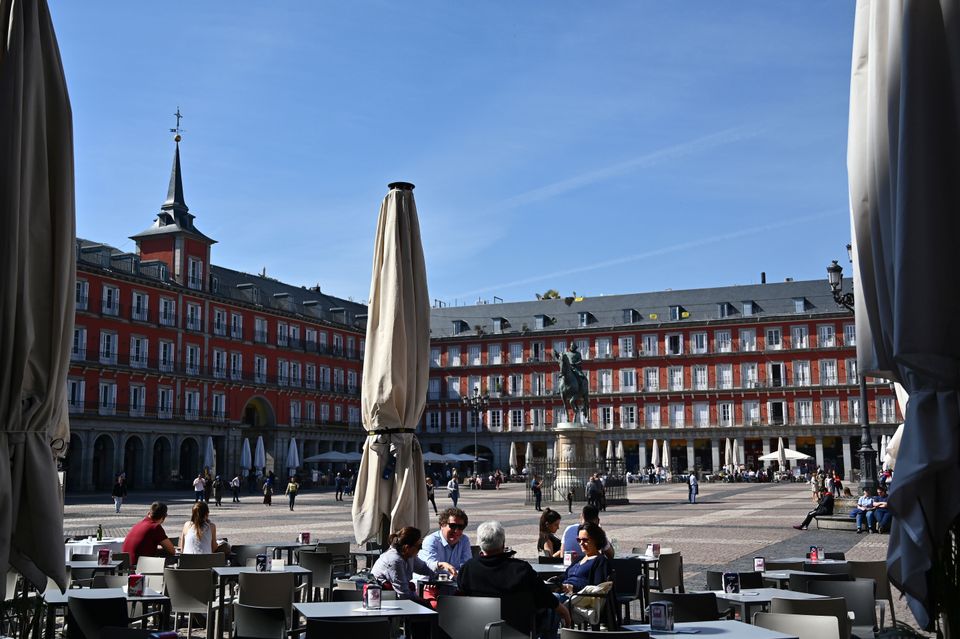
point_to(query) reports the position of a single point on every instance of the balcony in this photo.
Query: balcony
(194, 324)
(82, 301)
(109, 307)
(220, 329)
(260, 337)
(139, 314)
(168, 318)
(78, 354)
(108, 357)
(195, 283)
(236, 332)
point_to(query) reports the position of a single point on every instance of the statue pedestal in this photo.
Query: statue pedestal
(576, 445)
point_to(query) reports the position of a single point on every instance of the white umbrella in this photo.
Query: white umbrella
(666, 454)
(246, 458)
(259, 455)
(621, 454)
(728, 456)
(609, 449)
(513, 458)
(37, 288)
(432, 458)
(209, 457)
(901, 159)
(735, 456)
(293, 455)
(390, 490)
(787, 454)
(529, 455)
(331, 456)
(893, 448)
(655, 455)
(781, 454)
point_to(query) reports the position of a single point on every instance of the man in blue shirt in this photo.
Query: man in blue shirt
(449, 543)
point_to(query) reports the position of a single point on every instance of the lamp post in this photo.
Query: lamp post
(868, 456)
(476, 404)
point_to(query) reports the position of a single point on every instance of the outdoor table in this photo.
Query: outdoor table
(726, 628)
(548, 570)
(448, 586)
(279, 546)
(54, 600)
(782, 577)
(91, 546)
(759, 597)
(369, 556)
(110, 567)
(401, 608)
(226, 574)
(811, 561)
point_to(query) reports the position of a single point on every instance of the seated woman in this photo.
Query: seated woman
(593, 568)
(199, 535)
(398, 564)
(549, 544)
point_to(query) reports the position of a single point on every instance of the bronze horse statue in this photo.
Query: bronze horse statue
(574, 390)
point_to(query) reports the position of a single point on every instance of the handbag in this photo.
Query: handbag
(587, 605)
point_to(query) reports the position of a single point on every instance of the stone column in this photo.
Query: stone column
(147, 471)
(819, 450)
(715, 454)
(847, 460)
(642, 454)
(691, 459)
(86, 461)
(792, 443)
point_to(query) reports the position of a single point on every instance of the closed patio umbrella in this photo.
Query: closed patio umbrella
(293, 455)
(512, 459)
(666, 454)
(609, 449)
(259, 455)
(391, 480)
(556, 450)
(728, 456)
(902, 163)
(37, 289)
(209, 457)
(655, 454)
(781, 454)
(528, 454)
(246, 458)
(621, 454)
(893, 448)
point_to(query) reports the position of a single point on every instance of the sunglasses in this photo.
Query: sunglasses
(583, 540)
(456, 526)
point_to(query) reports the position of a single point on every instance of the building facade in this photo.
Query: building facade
(172, 354)
(696, 367)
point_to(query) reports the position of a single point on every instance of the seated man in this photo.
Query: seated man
(882, 513)
(147, 538)
(449, 544)
(824, 508)
(589, 515)
(495, 573)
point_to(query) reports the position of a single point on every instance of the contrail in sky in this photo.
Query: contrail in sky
(666, 250)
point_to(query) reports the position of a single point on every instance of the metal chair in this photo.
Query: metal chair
(570, 633)
(750, 579)
(827, 569)
(473, 618)
(801, 582)
(268, 590)
(783, 565)
(240, 554)
(86, 618)
(670, 572)
(801, 626)
(861, 598)
(826, 606)
(124, 559)
(354, 628)
(258, 622)
(206, 560)
(693, 606)
(152, 568)
(342, 560)
(876, 570)
(190, 592)
(83, 576)
(320, 565)
(627, 585)
(109, 581)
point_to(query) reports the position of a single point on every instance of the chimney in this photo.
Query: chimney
(763, 277)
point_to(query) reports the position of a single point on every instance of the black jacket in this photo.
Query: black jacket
(513, 581)
(825, 505)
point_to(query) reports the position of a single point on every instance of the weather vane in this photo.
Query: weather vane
(177, 130)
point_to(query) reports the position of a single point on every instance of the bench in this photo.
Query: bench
(841, 519)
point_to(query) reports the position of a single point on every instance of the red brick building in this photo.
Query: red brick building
(170, 350)
(695, 367)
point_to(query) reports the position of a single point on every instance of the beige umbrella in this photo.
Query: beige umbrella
(655, 454)
(528, 455)
(37, 282)
(621, 454)
(391, 479)
(610, 449)
(666, 454)
(512, 460)
(781, 454)
(728, 456)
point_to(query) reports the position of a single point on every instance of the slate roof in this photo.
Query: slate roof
(651, 310)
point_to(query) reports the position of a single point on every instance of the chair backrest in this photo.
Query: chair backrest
(876, 570)
(801, 626)
(87, 617)
(340, 594)
(827, 569)
(189, 589)
(51, 584)
(747, 579)
(570, 633)
(375, 628)
(240, 554)
(800, 582)
(341, 554)
(860, 595)
(783, 565)
(151, 565)
(626, 574)
(109, 581)
(831, 555)
(475, 552)
(268, 589)
(466, 617)
(84, 556)
(124, 559)
(206, 560)
(690, 606)
(320, 565)
(671, 571)
(258, 622)
(825, 606)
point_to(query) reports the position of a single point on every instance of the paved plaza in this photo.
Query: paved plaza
(730, 524)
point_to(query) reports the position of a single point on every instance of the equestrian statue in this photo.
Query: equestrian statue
(574, 385)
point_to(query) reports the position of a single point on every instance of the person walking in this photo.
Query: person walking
(207, 485)
(339, 483)
(198, 488)
(235, 487)
(536, 485)
(693, 487)
(430, 494)
(119, 492)
(268, 491)
(292, 487)
(217, 490)
(453, 489)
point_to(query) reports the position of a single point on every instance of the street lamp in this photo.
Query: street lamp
(476, 404)
(868, 456)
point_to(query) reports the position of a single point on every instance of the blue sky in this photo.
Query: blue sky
(597, 147)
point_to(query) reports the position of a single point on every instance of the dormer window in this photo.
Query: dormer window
(678, 313)
(586, 318)
(748, 308)
(194, 274)
(499, 324)
(630, 316)
(542, 321)
(460, 327)
(724, 309)
(800, 304)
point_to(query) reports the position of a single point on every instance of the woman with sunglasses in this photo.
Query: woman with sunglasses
(398, 564)
(593, 568)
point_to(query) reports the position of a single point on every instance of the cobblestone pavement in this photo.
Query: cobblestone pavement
(730, 524)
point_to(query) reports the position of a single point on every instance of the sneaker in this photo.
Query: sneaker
(799, 527)
(859, 531)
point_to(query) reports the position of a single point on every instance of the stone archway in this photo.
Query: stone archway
(162, 462)
(258, 413)
(189, 459)
(74, 463)
(103, 467)
(133, 461)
